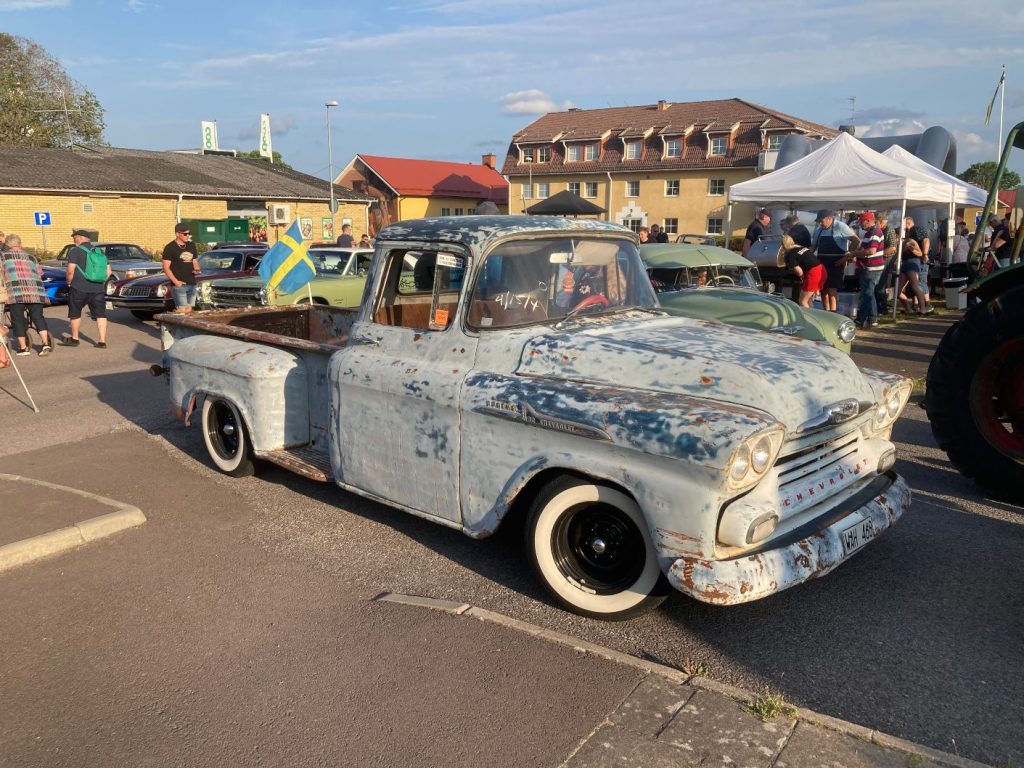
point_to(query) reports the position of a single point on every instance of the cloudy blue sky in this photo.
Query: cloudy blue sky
(453, 79)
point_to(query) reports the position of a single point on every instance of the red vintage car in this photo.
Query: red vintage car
(149, 295)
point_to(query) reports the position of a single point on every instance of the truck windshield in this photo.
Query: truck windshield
(526, 282)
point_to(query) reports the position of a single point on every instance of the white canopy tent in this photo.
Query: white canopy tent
(846, 173)
(971, 195)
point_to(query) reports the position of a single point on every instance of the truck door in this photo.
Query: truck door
(398, 415)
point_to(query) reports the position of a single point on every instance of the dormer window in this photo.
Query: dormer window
(775, 143)
(544, 154)
(632, 150)
(674, 148)
(528, 155)
(590, 152)
(719, 146)
(573, 153)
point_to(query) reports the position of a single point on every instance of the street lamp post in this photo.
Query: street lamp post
(330, 156)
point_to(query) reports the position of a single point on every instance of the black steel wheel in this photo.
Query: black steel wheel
(226, 438)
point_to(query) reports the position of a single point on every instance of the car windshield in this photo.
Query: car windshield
(220, 261)
(706, 276)
(525, 282)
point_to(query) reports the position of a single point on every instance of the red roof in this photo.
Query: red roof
(439, 179)
(1008, 197)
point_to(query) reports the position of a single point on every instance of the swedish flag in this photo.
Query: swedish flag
(287, 266)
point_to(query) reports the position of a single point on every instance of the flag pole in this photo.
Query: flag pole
(1002, 100)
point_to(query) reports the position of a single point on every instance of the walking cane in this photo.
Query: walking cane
(10, 357)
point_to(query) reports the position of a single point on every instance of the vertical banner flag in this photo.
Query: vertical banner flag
(265, 149)
(992, 103)
(287, 266)
(210, 135)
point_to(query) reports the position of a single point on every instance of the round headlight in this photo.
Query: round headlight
(761, 455)
(880, 413)
(264, 295)
(110, 288)
(892, 405)
(740, 463)
(161, 290)
(847, 330)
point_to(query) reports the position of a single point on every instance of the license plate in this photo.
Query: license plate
(857, 535)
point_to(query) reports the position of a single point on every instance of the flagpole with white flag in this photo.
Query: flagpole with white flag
(1000, 91)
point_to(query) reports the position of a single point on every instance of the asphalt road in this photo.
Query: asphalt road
(918, 636)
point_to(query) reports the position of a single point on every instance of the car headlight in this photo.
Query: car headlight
(847, 330)
(264, 295)
(111, 288)
(890, 405)
(754, 456)
(161, 290)
(129, 274)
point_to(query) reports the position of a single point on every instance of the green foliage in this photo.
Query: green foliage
(34, 90)
(255, 155)
(983, 173)
(769, 705)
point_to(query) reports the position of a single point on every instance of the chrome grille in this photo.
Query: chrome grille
(795, 468)
(224, 296)
(135, 290)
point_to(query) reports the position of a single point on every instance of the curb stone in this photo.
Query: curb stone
(51, 543)
(861, 732)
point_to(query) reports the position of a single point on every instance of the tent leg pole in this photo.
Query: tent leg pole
(728, 225)
(899, 261)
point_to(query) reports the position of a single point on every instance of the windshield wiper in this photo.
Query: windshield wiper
(612, 311)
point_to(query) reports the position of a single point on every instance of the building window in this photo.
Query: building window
(544, 155)
(671, 226)
(527, 192)
(459, 211)
(574, 187)
(672, 188)
(528, 155)
(632, 150)
(573, 151)
(543, 190)
(716, 186)
(633, 224)
(590, 189)
(719, 146)
(674, 148)
(714, 226)
(590, 152)
(446, 211)
(775, 143)
(632, 189)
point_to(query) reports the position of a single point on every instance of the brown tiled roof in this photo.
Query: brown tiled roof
(107, 169)
(670, 121)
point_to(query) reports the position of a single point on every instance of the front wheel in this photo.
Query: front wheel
(226, 438)
(591, 548)
(975, 396)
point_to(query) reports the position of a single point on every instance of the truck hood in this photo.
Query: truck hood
(793, 380)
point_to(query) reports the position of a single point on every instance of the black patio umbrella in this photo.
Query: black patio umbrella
(565, 203)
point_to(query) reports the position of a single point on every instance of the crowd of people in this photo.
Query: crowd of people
(819, 259)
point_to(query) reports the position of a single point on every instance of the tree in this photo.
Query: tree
(40, 105)
(255, 155)
(983, 173)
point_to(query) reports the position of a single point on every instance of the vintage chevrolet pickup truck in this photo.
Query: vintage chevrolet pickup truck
(518, 368)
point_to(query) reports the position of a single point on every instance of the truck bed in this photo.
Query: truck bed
(310, 327)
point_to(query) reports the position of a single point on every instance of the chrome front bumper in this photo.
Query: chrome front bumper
(799, 557)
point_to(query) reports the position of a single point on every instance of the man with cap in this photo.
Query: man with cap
(181, 265)
(758, 228)
(870, 265)
(833, 241)
(84, 293)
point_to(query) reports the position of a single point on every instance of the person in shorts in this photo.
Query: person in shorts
(84, 293)
(801, 261)
(181, 265)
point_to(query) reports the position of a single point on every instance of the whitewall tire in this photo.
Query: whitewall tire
(226, 438)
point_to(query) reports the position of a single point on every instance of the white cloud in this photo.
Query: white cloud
(138, 6)
(279, 126)
(532, 102)
(31, 5)
(893, 126)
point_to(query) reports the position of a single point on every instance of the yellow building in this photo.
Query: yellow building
(412, 189)
(665, 164)
(137, 196)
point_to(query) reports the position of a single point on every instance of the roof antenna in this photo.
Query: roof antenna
(853, 107)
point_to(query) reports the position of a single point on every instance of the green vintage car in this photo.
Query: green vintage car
(713, 283)
(340, 277)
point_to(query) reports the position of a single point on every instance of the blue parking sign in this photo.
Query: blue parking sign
(42, 218)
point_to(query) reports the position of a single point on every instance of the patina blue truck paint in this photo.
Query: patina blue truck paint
(513, 362)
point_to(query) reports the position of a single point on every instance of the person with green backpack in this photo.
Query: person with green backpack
(87, 276)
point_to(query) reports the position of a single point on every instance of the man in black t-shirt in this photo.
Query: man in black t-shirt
(1002, 243)
(181, 265)
(758, 228)
(84, 293)
(345, 239)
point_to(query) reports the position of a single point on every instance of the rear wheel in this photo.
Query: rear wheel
(590, 546)
(226, 438)
(975, 395)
